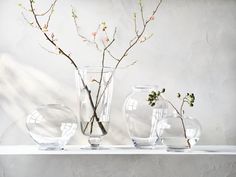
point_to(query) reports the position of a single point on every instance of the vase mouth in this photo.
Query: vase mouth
(176, 115)
(145, 87)
(96, 69)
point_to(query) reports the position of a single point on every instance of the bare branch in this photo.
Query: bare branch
(85, 39)
(141, 11)
(49, 51)
(23, 7)
(94, 80)
(132, 40)
(47, 11)
(112, 56)
(180, 113)
(50, 14)
(102, 70)
(107, 40)
(107, 43)
(154, 12)
(135, 24)
(145, 38)
(48, 38)
(68, 56)
(27, 20)
(132, 44)
(129, 65)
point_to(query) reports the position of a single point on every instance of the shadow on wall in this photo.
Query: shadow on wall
(22, 89)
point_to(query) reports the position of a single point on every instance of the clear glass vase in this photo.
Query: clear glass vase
(179, 133)
(51, 126)
(142, 118)
(95, 85)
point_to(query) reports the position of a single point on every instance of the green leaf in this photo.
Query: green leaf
(178, 95)
(163, 90)
(152, 104)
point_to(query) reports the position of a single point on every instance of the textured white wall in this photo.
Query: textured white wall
(193, 49)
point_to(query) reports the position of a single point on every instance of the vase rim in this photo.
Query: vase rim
(145, 87)
(96, 69)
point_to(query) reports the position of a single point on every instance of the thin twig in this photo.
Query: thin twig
(135, 24)
(112, 56)
(129, 65)
(141, 10)
(103, 63)
(30, 23)
(49, 51)
(85, 39)
(47, 11)
(129, 48)
(146, 38)
(50, 14)
(132, 40)
(181, 118)
(182, 105)
(49, 39)
(86, 126)
(91, 126)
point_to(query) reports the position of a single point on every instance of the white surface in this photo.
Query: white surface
(159, 165)
(28, 161)
(122, 150)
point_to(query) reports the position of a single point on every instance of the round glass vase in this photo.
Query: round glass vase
(142, 118)
(95, 87)
(51, 126)
(179, 133)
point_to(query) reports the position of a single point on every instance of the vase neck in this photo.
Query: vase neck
(96, 69)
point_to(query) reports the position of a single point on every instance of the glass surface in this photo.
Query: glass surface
(95, 122)
(172, 134)
(142, 118)
(51, 126)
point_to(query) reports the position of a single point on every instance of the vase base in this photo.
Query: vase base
(51, 148)
(145, 147)
(95, 148)
(94, 142)
(144, 143)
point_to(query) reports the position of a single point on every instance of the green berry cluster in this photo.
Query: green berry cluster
(189, 98)
(154, 96)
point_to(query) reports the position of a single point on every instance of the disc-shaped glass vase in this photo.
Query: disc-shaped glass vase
(179, 133)
(51, 126)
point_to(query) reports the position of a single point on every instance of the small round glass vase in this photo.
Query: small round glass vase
(142, 118)
(51, 126)
(177, 133)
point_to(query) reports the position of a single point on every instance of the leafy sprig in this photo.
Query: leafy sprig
(188, 98)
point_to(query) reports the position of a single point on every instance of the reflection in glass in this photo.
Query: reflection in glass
(51, 126)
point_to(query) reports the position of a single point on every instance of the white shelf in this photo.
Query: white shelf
(122, 150)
